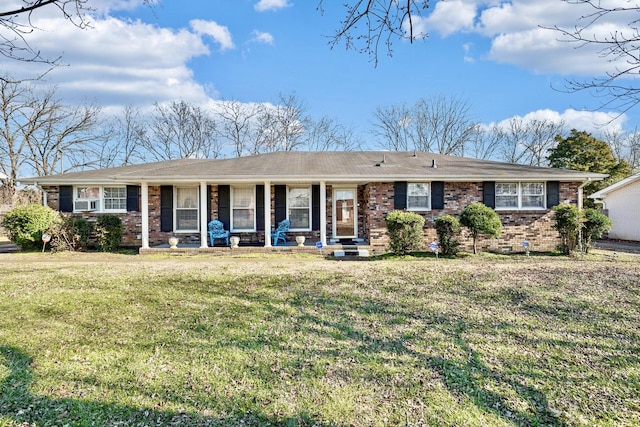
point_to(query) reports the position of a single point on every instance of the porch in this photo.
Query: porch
(336, 248)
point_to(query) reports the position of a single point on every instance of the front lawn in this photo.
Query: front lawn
(98, 339)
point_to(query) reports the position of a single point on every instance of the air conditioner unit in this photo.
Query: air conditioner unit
(86, 205)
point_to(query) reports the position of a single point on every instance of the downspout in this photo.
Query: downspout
(580, 202)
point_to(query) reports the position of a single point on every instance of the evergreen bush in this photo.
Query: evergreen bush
(26, 224)
(405, 232)
(108, 232)
(481, 219)
(567, 220)
(594, 226)
(448, 229)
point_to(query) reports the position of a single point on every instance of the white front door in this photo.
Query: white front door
(345, 213)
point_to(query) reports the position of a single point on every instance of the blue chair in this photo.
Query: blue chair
(280, 232)
(217, 231)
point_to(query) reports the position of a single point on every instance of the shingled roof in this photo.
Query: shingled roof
(343, 166)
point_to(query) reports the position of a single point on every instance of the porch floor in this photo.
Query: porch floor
(289, 247)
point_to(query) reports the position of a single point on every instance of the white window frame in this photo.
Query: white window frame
(176, 209)
(519, 190)
(99, 198)
(308, 207)
(419, 208)
(251, 206)
(103, 202)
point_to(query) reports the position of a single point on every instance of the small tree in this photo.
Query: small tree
(594, 226)
(567, 220)
(405, 232)
(448, 229)
(108, 232)
(26, 224)
(481, 219)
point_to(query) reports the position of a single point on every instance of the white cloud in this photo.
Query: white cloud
(447, 18)
(219, 33)
(594, 122)
(265, 5)
(261, 37)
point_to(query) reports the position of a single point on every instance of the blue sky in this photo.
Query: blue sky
(493, 54)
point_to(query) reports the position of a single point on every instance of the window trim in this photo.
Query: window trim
(100, 198)
(232, 210)
(520, 194)
(308, 208)
(176, 209)
(429, 197)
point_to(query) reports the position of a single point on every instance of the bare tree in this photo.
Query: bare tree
(39, 135)
(625, 146)
(281, 127)
(438, 124)
(126, 135)
(443, 125)
(487, 143)
(18, 24)
(527, 141)
(326, 134)
(181, 130)
(237, 123)
(619, 47)
(392, 125)
(368, 24)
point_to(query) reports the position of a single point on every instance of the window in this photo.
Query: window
(418, 196)
(100, 199)
(520, 195)
(299, 202)
(186, 209)
(243, 209)
(115, 198)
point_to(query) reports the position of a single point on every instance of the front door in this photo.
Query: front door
(345, 213)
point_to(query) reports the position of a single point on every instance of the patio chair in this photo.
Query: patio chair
(217, 231)
(280, 232)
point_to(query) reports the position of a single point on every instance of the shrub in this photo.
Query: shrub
(26, 224)
(405, 232)
(72, 233)
(481, 219)
(567, 220)
(108, 232)
(448, 229)
(594, 226)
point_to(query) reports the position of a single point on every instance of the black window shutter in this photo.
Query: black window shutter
(260, 207)
(400, 195)
(553, 194)
(224, 205)
(133, 191)
(65, 198)
(489, 193)
(280, 202)
(208, 203)
(166, 208)
(437, 195)
(315, 207)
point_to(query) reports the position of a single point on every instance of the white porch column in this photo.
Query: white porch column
(267, 214)
(323, 213)
(144, 213)
(204, 215)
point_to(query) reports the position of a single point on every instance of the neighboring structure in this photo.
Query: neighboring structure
(621, 203)
(327, 196)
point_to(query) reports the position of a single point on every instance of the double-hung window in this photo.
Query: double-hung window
(186, 216)
(243, 202)
(115, 198)
(299, 202)
(100, 199)
(520, 195)
(418, 196)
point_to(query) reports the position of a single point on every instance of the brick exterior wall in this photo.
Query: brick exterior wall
(534, 226)
(375, 200)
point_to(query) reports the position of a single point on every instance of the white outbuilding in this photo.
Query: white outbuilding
(621, 201)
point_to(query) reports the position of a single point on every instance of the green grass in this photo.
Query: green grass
(100, 339)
